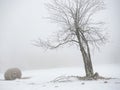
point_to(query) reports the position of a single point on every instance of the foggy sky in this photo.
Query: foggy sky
(22, 21)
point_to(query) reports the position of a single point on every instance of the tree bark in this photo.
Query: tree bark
(86, 56)
(87, 63)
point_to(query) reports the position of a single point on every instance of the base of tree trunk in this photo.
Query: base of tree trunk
(94, 77)
(76, 78)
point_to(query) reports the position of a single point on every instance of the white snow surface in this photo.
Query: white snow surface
(41, 79)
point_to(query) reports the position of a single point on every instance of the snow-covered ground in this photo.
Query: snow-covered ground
(40, 79)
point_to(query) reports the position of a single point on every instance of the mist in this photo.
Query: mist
(22, 21)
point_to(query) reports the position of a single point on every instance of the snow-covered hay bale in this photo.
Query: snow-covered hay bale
(12, 74)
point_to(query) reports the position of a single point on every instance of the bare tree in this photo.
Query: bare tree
(78, 27)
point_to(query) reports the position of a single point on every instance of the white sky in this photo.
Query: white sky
(22, 21)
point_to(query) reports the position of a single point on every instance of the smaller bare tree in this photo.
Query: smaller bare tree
(78, 27)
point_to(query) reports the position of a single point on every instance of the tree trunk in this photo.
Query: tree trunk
(86, 55)
(87, 62)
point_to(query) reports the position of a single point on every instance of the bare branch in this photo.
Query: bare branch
(73, 14)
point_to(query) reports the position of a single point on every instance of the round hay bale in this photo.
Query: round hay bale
(12, 74)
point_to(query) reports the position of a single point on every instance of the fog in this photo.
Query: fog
(22, 21)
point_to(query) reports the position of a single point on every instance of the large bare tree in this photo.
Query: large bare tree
(78, 27)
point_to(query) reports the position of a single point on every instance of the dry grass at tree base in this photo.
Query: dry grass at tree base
(84, 78)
